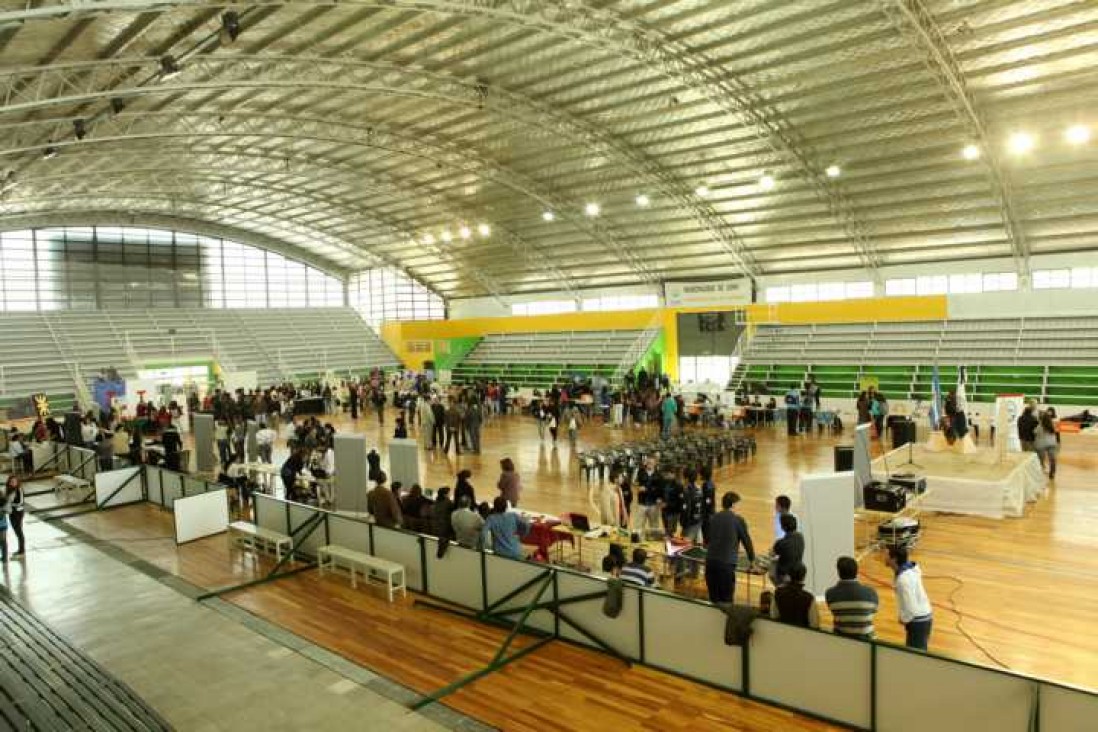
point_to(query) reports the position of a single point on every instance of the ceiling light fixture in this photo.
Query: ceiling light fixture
(484, 230)
(833, 171)
(766, 182)
(169, 68)
(446, 236)
(702, 191)
(592, 209)
(970, 152)
(464, 232)
(429, 239)
(1077, 134)
(643, 200)
(548, 215)
(1020, 143)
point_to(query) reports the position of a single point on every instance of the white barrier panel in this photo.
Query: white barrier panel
(193, 486)
(689, 638)
(506, 575)
(621, 633)
(43, 452)
(270, 513)
(1067, 710)
(152, 485)
(298, 516)
(107, 483)
(916, 692)
(349, 532)
(815, 672)
(403, 548)
(171, 487)
(456, 577)
(200, 516)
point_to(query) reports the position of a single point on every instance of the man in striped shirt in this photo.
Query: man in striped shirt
(637, 571)
(852, 604)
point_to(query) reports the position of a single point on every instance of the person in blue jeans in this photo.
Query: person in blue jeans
(911, 598)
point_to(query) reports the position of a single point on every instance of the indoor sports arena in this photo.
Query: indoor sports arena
(568, 364)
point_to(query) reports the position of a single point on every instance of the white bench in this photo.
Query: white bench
(256, 537)
(65, 486)
(372, 567)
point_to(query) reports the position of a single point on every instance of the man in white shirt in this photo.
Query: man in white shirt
(911, 599)
(264, 440)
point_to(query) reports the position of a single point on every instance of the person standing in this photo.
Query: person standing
(383, 505)
(378, 399)
(221, 436)
(463, 488)
(911, 598)
(672, 501)
(782, 506)
(852, 604)
(438, 417)
(1027, 427)
(264, 441)
(540, 418)
(173, 445)
(792, 410)
(426, 423)
(793, 604)
(693, 514)
(668, 409)
(352, 397)
(467, 525)
(473, 419)
(453, 422)
(727, 531)
(15, 508)
(788, 551)
(709, 500)
(1044, 442)
(510, 484)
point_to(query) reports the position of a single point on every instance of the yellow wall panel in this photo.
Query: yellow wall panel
(934, 307)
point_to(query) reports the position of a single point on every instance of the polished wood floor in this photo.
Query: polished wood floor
(1021, 589)
(558, 686)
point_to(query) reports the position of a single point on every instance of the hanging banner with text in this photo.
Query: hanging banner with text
(707, 294)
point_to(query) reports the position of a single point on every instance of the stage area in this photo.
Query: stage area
(978, 483)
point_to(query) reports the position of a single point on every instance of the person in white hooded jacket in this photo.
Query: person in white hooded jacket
(916, 613)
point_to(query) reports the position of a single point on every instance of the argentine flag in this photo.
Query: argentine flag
(935, 400)
(962, 396)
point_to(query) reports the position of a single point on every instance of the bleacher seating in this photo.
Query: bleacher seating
(1006, 355)
(43, 351)
(539, 359)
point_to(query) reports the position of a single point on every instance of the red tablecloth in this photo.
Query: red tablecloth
(542, 536)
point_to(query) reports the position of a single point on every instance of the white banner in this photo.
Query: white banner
(707, 294)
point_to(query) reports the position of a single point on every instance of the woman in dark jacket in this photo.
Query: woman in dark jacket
(16, 508)
(464, 488)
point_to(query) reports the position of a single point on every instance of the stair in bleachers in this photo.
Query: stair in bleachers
(47, 684)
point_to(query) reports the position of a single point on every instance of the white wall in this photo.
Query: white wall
(1030, 304)
(489, 307)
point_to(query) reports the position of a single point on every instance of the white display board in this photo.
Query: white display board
(106, 483)
(826, 518)
(201, 515)
(705, 294)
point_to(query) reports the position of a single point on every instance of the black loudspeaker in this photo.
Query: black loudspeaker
(903, 432)
(844, 458)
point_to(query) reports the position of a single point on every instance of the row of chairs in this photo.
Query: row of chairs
(676, 452)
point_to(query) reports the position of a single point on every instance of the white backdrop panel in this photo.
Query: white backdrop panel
(826, 516)
(171, 487)
(108, 482)
(193, 486)
(343, 531)
(506, 575)
(621, 633)
(811, 671)
(916, 692)
(1065, 710)
(689, 638)
(456, 577)
(201, 515)
(397, 546)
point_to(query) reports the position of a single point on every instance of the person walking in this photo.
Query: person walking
(911, 598)
(727, 531)
(668, 409)
(1027, 427)
(438, 419)
(509, 484)
(453, 422)
(792, 410)
(15, 508)
(474, 416)
(1044, 442)
(426, 423)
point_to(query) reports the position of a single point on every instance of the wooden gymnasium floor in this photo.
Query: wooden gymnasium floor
(1020, 589)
